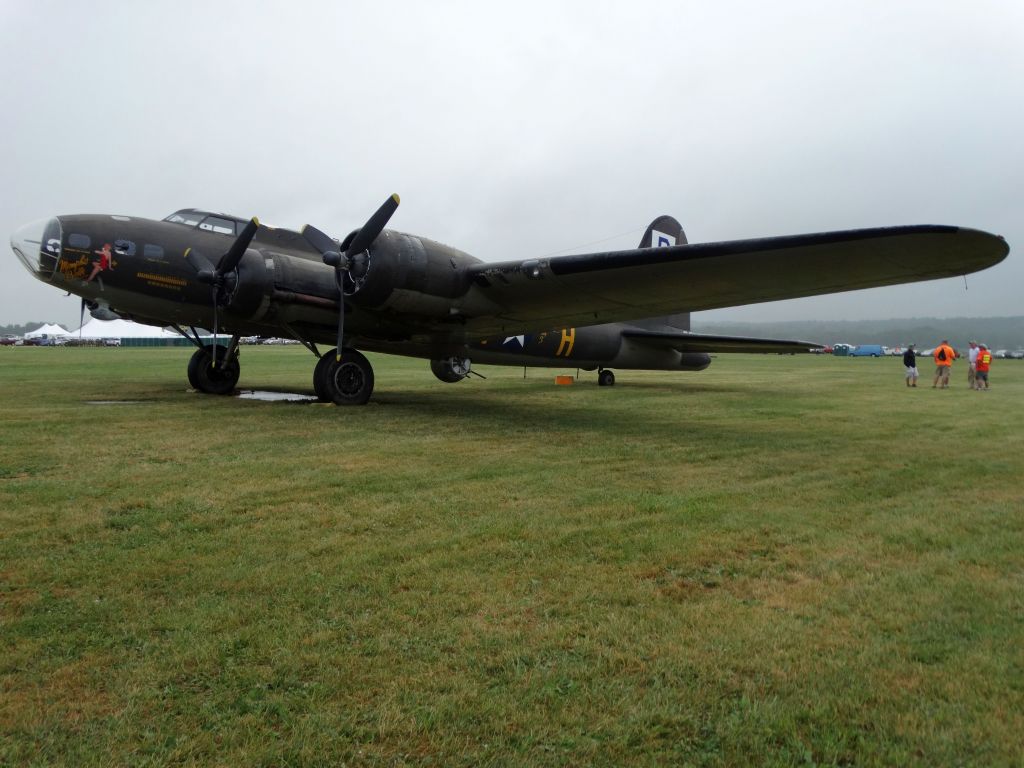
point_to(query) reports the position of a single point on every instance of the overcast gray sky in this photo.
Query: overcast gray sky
(516, 129)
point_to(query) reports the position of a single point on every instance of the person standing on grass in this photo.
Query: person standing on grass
(944, 355)
(910, 361)
(983, 363)
(972, 360)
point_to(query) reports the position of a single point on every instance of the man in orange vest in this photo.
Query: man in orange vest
(944, 355)
(983, 364)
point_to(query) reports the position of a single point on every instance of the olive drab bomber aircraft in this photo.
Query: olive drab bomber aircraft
(381, 290)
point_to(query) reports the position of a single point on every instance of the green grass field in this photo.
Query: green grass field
(777, 561)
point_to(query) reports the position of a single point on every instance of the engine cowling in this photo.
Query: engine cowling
(409, 274)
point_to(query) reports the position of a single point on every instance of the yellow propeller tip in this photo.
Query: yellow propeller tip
(396, 198)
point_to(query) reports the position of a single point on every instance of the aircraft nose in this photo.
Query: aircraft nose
(37, 246)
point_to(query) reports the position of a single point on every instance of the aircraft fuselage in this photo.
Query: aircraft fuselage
(282, 288)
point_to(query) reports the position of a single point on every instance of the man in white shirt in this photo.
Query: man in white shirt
(972, 367)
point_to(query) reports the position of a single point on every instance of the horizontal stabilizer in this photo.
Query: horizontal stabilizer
(699, 342)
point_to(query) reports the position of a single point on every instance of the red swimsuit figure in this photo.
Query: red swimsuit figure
(104, 262)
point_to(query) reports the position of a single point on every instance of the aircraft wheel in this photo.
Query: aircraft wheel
(213, 381)
(319, 382)
(350, 381)
(446, 372)
(605, 378)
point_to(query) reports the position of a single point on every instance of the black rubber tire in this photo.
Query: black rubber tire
(213, 381)
(319, 383)
(444, 372)
(350, 381)
(605, 379)
(192, 380)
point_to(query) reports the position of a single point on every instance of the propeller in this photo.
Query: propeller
(344, 262)
(214, 276)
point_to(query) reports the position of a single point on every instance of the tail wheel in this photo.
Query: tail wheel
(348, 381)
(205, 377)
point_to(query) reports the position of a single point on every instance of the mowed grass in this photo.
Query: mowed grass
(779, 560)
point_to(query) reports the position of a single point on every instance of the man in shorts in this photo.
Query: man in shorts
(910, 361)
(983, 364)
(972, 360)
(944, 355)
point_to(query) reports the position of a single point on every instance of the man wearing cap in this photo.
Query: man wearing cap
(984, 361)
(972, 363)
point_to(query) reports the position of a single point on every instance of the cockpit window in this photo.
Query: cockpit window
(217, 224)
(188, 218)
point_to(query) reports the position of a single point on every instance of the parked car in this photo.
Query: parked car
(867, 350)
(8, 341)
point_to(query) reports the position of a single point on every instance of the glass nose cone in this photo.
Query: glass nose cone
(37, 246)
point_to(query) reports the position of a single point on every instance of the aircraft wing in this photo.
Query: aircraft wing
(626, 285)
(683, 341)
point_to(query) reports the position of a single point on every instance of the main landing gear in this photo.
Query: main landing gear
(605, 378)
(215, 377)
(348, 381)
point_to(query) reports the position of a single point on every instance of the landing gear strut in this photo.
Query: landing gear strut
(345, 382)
(605, 378)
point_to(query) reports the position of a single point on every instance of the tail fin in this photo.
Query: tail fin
(664, 231)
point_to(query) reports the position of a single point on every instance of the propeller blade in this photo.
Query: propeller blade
(230, 260)
(203, 266)
(326, 246)
(374, 226)
(81, 318)
(320, 241)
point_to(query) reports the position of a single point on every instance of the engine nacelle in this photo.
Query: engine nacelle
(451, 369)
(409, 274)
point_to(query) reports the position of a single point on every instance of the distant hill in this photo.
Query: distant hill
(997, 332)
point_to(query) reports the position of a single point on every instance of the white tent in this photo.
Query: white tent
(122, 329)
(49, 330)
